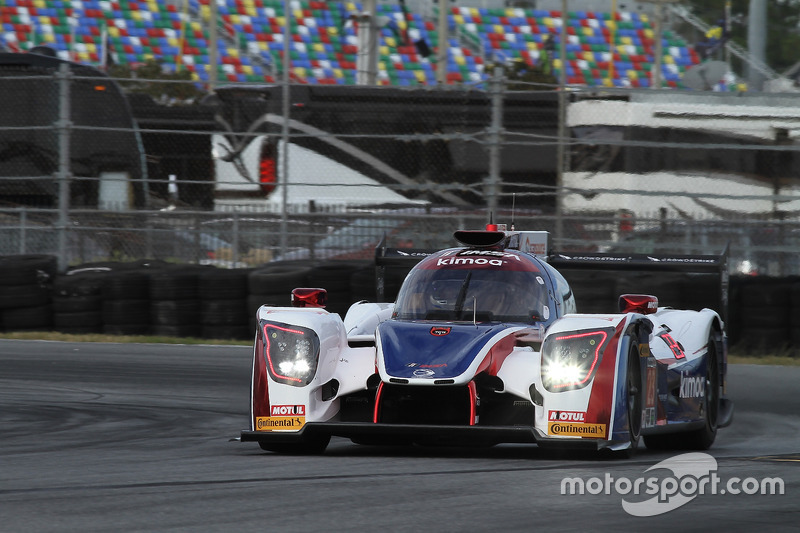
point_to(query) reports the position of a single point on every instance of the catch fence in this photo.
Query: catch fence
(233, 179)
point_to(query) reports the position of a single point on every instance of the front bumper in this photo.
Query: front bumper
(425, 434)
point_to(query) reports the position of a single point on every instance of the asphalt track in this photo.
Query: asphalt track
(122, 437)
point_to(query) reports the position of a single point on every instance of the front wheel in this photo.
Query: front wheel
(633, 392)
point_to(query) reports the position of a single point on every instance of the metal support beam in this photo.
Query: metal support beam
(562, 129)
(441, 50)
(492, 186)
(367, 60)
(63, 174)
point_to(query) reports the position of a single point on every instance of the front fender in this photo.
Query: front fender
(340, 368)
(588, 411)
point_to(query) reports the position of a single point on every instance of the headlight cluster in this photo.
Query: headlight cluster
(570, 359)
(291, 353)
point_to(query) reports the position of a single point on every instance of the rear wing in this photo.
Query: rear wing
(400, 258)
(406, 258)
(700, 264)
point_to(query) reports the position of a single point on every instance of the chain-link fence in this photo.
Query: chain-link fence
(251, 174)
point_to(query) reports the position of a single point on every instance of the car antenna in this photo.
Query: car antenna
(475, 310)
(491, 226)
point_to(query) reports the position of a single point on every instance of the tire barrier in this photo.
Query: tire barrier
(78, 302)
(273, 284)
(223, 309)
(174, 301)
(26, 286)
(152, 297)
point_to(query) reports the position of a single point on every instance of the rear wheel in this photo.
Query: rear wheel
(703, 438)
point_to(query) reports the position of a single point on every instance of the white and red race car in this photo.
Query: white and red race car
(484, 345)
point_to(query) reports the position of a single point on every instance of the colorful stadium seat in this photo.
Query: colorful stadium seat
(602, 49)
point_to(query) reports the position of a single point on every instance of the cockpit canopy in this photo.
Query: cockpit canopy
(467, 285)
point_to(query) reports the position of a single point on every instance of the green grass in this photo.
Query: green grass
(99, 337)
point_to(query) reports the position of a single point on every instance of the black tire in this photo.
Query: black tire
(243, 332)
(21, 296)
(314, 446)
(703, 438)
(126, 285)
(700, 439)
(28, 318)
(768, 317)
(223, 312)
(363, 284)
(769, 294)
(79, 319)
(254, 301)
(174, 312)
(278, 279)
(223, 284)
(763, 340)
(120, 312)
(81, 284)
(76, 304)
(633, 400)
(339, 302)
(173, 284)
(334, 277)
(27, 269)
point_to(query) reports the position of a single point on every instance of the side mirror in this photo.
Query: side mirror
(309, 297)
(638, 303)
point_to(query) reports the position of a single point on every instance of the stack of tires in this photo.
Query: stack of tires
(765, 322)
(794, 317)
(363, 284)
(272, 285)
(174, 303)
(126, 303)
(223, 303)
(25, 292)
(78, 301)
(335, 277)
(595, 292)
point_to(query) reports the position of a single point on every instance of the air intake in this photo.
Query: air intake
(480, 238)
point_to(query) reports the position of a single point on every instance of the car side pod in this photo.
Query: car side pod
(308, 297)
(644, 304)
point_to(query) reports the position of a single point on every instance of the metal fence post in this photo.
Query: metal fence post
(562, 128)
(492, 189)
(285, 91)
(23, 222)
(63, 173)
(235, 239)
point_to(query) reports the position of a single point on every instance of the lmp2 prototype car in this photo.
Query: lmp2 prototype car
(484, 345)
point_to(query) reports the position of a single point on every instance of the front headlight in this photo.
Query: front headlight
(570, 359)
(291, 353)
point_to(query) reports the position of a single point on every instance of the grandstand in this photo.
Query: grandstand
(602, 49)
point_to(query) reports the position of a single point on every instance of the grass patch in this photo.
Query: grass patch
(99, 337)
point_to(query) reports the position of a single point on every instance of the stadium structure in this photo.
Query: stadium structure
(608, 43)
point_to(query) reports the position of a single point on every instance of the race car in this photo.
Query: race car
(484, 345)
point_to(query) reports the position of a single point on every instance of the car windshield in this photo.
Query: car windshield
(483, 295)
